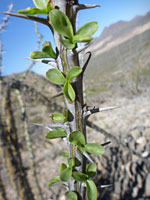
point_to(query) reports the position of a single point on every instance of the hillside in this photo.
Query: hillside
(121, 53)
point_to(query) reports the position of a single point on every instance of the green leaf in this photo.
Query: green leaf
(47, 48)
(55, 76)
(77, 138)
(54, 180)
(79, 176)
(61, 23)
(71, 195)
(91, 190)
(94, 148)
(86, 31)
(40, 3)
(57, 117)
(71, 162)
(56, 133)
(65, 175)
(64, 154)
(39, 54)
(33, 11)
(67, 44)
(73, 72)
(63, 167)
(69, 92)
(91, 169)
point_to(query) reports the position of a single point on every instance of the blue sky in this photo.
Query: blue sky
(19, 37)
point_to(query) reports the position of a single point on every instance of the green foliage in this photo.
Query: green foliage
(79, 176)
(57, 117)
(42, 8)
(67, 44)
(84, 34)
(61, 23)
(55, 76)
(66, 174)
(64, 154)
(77, 137)
(91, 190)
(91, 169)
(69, 92)
(47, 52)
(71, 195)
(94, 149)
(73, 72)
(54, 180)
(56, 133)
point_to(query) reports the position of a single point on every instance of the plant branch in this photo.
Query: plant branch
(33, 18)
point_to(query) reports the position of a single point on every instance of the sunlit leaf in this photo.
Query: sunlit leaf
(91, 190)
(47, 48)
(73, 72)
(79, 176)
(86, 31)
(34, 11)
(94, 148)
(55, 76)
(57, 117)
(39, 54)
(71, 195)
(71, 162)
(67, 44)
(61, 23)
(77, 137)
(54, 180)
(69, 92)
(65, 175)
(40, 3)
(56, 133)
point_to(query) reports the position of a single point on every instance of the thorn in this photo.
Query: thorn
(106, 143)
(108, 108)
(88, 156)
(104, 186)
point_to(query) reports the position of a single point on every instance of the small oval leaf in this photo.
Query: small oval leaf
(39, 54)
(69, 92)
(47, 48)
(57, 117)
(34, 11)
(91, 190)
(63, 167)
(55, 76)
(91, 169)
(61, 23)
(71, 195)
(86, 31)
(77, 138)
(67, 44)
(54, 180)
(40, 3)
(66, 174)
(56, 133)
(79, 176)
(94, 149)
(73, 72)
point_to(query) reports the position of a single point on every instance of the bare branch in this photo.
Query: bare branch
(33, 18)
(57, 95)
(104, 186)
(82, 48)
(5, 19)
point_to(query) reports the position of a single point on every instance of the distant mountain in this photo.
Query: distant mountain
(121, 46)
